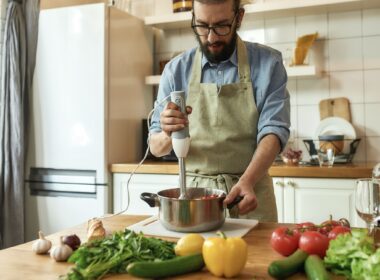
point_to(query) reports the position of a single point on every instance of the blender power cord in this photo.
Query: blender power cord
(141, 162)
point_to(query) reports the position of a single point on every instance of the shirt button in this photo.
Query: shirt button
(219, 72)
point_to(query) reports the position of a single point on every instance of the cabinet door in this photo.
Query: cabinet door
(315, 199)
(278, 186)
(139, 183)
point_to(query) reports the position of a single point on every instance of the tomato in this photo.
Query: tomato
(313, 242)
(302, 227)
(338, 230)
(328, 225)
(284, 241)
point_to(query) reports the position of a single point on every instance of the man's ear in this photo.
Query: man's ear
(240, 16)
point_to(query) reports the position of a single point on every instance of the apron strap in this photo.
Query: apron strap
(196, 70)
(243, 66)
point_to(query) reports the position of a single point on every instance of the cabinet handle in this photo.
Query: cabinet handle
(280, 184)
(291, 184)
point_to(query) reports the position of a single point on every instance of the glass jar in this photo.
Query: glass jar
(182, 5)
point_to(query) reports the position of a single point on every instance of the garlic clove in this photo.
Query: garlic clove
(41, 245)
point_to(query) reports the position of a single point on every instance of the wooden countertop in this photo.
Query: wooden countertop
(20, 262)
(348, 171)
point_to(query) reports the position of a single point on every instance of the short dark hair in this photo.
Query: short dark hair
(236, 3)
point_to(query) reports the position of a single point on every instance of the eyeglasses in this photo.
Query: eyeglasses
(220, 30)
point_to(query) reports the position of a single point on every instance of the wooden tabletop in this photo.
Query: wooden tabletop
(21, 263)
(350, 171)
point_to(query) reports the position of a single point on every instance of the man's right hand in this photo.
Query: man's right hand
(172, 119)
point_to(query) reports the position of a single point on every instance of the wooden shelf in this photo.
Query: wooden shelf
(152, 80)
(278, 8)
(301, 71)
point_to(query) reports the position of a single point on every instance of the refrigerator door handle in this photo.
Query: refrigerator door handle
(64, 176)
(36, 187)
(49, 181)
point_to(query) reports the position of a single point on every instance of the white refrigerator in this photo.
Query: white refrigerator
(88, 100)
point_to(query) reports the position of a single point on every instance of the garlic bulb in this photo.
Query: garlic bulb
(61, 253)
(41, 245)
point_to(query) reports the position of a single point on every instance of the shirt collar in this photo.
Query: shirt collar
(232, 59)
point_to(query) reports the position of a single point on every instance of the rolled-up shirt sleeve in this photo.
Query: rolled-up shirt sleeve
(165, 87)
(275, 106)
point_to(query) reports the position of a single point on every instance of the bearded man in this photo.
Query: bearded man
(238, 114)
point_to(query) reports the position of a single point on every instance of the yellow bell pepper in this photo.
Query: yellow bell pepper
(189, 244)
(225, 256)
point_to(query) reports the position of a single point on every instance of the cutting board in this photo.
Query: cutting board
(335, 107)
(231, 227)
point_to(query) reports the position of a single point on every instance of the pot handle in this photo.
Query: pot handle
(150, 198)
(235, 201)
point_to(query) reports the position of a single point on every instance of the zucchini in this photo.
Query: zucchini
(315, 269)
(159, 269)
(285, 267)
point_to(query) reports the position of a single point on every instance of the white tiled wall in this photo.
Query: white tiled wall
(347, 49)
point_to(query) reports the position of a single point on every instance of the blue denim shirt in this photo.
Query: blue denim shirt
(268, 77)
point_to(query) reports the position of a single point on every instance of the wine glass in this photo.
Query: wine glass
(367, 201)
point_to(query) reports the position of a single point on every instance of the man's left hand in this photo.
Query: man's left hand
(249, 201)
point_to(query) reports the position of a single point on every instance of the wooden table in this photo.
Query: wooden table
(20, 262)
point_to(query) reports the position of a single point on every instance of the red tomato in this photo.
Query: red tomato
(313, 242)
(303, 227)
(284, 241)
(338, 230)
(328, 225)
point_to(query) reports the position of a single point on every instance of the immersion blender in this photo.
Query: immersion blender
(181, 142)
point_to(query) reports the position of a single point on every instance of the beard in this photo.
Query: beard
(224, 54)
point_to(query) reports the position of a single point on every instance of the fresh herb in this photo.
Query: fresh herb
(112, 254)
(353, 255)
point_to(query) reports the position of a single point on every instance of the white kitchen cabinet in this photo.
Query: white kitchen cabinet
(278, 186)
(313, 199)
(139, 183)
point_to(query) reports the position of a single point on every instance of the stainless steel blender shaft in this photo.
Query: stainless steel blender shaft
(182, 178)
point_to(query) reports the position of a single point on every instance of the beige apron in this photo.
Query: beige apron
(223, 131)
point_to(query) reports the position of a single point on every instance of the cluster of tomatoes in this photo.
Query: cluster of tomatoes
(311, 238)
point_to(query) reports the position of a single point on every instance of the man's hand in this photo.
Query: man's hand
(265, 153)
(249, 202)
(172, 119)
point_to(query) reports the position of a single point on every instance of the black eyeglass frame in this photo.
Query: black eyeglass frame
(213, 28)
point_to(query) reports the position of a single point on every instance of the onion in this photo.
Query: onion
(72, 241)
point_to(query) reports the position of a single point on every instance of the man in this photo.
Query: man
(238, 110)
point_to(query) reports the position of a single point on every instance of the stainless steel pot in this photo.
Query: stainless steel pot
(196, 214)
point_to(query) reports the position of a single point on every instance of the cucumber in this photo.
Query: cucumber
(285, 267)
(166, 268)
(315, 269)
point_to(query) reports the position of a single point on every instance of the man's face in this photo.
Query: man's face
(216, 48)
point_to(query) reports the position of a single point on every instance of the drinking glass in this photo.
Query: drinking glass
(326, 157)
(367, 201)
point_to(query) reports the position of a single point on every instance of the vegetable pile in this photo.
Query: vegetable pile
(331, 246)
(354, 256)
(112, 254)
(311, 238)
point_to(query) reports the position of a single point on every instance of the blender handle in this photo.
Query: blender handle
(150, 198)
(235, 202)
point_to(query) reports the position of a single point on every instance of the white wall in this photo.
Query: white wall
(347, 49)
